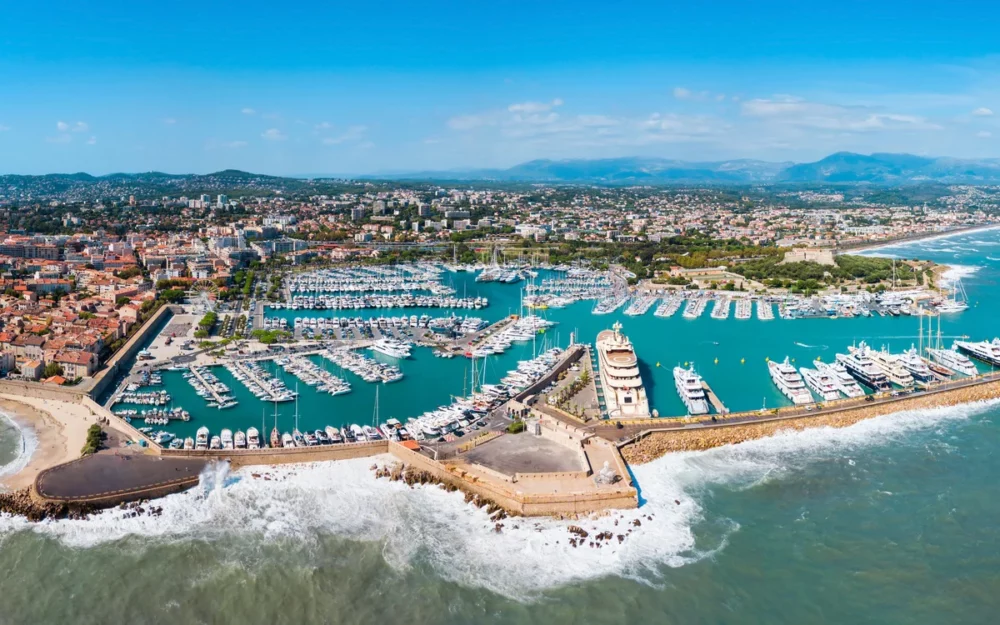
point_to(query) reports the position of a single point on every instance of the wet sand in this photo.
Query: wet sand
(59, 427)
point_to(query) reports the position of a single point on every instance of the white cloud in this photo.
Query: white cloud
(982, 111)
(324, 126)
(170, 121)
(469, 122)
(793, 111)
(92, 141)
(60, 138)
(62, 126)
(273, 134)
(248, 111)
(353, 133)
(682, 94)
(235, 144)
(534, 107)
(4, 128)
(984, 134)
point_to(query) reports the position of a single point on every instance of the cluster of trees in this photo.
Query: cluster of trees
(51, 369)
(205, 325)
(269, 337)
(809, 275)
(94, 437)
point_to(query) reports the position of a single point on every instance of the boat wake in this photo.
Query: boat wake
(429, 526)
(812, 346)
(26, 443)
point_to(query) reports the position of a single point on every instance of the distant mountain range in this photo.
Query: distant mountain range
(842, 167)
(839, 168)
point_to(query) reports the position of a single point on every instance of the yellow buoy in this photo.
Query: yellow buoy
(742, 360)
(657, 364)
(716, 361)
(767, 359)
(685, 364)
(793, 360)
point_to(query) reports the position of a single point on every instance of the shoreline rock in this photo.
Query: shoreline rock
(21, 503)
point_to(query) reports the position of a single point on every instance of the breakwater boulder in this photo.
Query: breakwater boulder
(21, 503)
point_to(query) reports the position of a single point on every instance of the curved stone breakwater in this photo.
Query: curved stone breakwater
(21, 503)
(658, 443)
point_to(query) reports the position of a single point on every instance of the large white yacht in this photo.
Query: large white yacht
(846, 383)
(888, 364)
(821, 383)
(789, 382)
(624, 392)
(953, 359)
(691, 390)
(392, 348)
(859, 364)
(915, 365)
(987, 351)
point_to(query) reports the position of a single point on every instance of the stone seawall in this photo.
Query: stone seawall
(657, 443)
(505, 494)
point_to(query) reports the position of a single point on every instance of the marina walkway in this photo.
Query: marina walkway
(245, 370)
(215, 394)
(713, 399)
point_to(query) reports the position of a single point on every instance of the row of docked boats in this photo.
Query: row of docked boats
(258, 381)
(154, 416)
(367, 278)
(207, 385)
(500, 274)
(311, 374)
(640, 305)
(143, 398)
(368, 369)
(383, 323)
(878, 370)
(521, 330)
(400, 300)
(466, 413)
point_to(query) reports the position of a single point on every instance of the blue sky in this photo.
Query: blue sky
(326, 87)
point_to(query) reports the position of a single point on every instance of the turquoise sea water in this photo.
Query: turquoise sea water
(730, 354)
(888, 521)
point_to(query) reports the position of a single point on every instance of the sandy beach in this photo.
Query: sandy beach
(922, 238)
(59, 427)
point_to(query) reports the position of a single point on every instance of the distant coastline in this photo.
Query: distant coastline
(928, 236)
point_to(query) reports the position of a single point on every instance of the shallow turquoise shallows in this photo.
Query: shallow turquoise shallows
(888, 521)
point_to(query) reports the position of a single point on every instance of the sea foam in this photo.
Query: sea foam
(28, 443)
(429, 525)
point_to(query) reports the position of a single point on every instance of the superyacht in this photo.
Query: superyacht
(620, 379)
(821, 382)
(953, 359)
(691, 390)
(987, 351)
(789, 382)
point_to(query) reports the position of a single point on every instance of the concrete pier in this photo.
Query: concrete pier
(713, 399)
(215, 394)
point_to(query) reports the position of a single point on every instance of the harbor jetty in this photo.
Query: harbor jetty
(650, 443)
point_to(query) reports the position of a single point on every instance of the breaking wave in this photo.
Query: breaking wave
(958, 272)
(431, 526)
(26, 442)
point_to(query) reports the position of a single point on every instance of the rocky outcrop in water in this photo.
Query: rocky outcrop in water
(20, 503)
(412, 476)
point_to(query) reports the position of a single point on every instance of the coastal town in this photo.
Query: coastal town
(273, 292)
